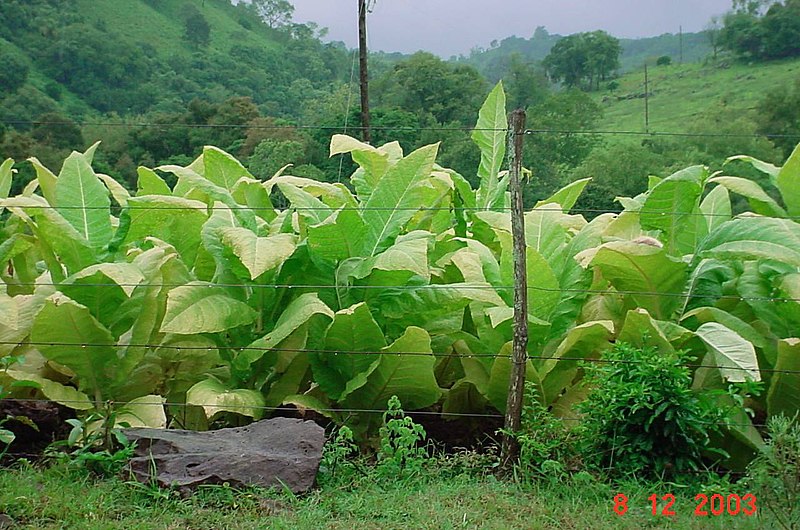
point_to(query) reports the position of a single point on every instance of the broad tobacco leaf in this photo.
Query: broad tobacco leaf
(82, 199)
(735, 356)
(201, 307)
(784, 390)
(215, 398)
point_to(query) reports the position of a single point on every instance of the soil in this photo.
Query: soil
(51, 425)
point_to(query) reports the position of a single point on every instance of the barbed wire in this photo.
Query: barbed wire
(500, 209)
(301, 409)
(435, 286)
(334, 352)
(283, 408)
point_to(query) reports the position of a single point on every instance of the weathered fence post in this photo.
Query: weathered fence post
(516, 389)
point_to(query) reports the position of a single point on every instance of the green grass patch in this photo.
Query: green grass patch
(55, 497)
(680, 94)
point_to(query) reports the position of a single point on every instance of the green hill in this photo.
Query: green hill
(85, 56)
(682, 94)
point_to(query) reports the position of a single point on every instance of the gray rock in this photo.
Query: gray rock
(269, 453)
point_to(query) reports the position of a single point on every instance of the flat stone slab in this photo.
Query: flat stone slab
(279, 452)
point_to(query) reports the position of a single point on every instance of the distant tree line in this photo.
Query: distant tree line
(762, 29)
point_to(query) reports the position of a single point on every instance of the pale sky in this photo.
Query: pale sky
(452, 27)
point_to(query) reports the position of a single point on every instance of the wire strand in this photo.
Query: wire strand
(443, 286)
(330, 352)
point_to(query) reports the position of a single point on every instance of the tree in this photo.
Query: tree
(779, 114)
(13, 73)
(584, 58)
(271, 155)
(712, 32)
(196, 28)
(525, 84)
(762, 29)
(425, 84)
(275, 13)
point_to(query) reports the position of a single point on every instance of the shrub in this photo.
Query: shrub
(546, 446)
(774, 476)
(642, 418)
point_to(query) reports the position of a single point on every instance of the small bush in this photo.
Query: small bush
(664, 60)
(402, 452)
(546, 446)
(774, 475)
(642, 418)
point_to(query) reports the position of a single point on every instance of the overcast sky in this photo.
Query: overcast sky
(452, 27)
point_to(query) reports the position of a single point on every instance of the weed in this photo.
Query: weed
(339, 457)
(402, 452)
(546, 446)
(95, 443)
(774, 475)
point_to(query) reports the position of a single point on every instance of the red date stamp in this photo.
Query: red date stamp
(705, 505)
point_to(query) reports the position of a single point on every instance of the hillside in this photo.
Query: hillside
(681, 94)
(85, 56)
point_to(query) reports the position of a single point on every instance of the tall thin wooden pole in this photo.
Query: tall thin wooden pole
(516, 390)
(680, 43)
(362, 58)
(646, 100)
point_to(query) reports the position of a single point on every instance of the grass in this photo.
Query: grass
(56, 497)
(680, 94)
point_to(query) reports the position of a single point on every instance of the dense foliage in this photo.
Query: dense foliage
(584, 59)
(762, 29)
(204, 293)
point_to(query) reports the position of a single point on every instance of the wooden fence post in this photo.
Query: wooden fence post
(516, 389)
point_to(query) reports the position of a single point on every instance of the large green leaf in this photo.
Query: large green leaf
(340, 369)
(671, 207)
(296, 315)
(222, 169)
(149, 183)
(339, 236)
(373, 162)
(143, 411)
(6, 174)
(61, 394)
(83, 201)
(760, 202)
(71, 336)
(405, 370)
(716, 207)
(732, 322)
(216, 193)
(201, 307)
(581, 342)
(490, 135)
(259, 254)
(409, 253)
(174, 220)
(752, 237)
(252, 193)
(645, 273)
(47, 180)
(27, 307)
(567, 196)
(543, 231)
(215, 398)
(396, 198)
(734, 356)
(788, 182)
(784, 390)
